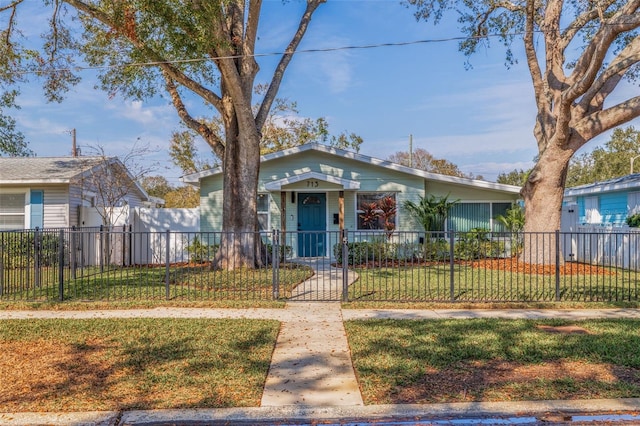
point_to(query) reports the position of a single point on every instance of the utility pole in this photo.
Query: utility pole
(411, 150)
(74, 149)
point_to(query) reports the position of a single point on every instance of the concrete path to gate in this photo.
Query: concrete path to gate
(326, 282)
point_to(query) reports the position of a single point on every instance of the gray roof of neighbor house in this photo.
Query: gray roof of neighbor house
(39, 170)
(44, 169)
(615, 184)
(194, 178)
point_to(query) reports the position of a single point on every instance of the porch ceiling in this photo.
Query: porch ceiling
(277, 185)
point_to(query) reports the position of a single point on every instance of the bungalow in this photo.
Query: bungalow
(315, 188)
(606, 203)
(49, 192)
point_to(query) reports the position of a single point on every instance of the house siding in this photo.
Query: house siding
(372, 178)
(56, 207)
(613, 207)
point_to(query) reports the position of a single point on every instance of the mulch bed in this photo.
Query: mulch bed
(512, 265)
(504, 264)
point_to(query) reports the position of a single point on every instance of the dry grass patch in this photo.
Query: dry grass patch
(81, 365)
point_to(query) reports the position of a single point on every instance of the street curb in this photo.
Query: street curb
(89, 418)
(253, 415)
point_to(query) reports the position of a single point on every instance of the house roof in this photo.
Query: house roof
(194, 178)
(616, 184)
(52, 170)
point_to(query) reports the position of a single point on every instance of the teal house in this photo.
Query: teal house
(606, 203)
(318, 189)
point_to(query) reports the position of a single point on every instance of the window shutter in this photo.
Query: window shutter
(37, 209)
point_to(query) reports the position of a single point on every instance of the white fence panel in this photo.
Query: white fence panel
(149, 230)
(607, 246)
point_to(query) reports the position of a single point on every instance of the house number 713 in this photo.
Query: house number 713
(312, 184)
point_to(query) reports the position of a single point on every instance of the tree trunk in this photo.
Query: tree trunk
(239, 245)
(543, 193)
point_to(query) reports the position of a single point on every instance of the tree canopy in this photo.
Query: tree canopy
(199, 49)
(283, 129)
(609, 161)
(577, 53)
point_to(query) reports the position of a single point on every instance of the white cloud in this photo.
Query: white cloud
(141, 113)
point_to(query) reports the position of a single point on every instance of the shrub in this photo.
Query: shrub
(200, 252)
(476, 244)
(285, 251)
(19, 249)
(634, 220)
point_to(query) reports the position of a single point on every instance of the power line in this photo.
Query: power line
(259, 55)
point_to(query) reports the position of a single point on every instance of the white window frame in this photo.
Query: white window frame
(27, 205)
(262, 212)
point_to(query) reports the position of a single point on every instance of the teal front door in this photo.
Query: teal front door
(312, 224)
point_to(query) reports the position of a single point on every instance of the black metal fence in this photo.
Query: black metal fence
(479, 266)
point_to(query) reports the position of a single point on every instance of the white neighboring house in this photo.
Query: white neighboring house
(60, 192)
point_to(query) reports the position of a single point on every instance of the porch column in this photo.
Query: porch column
(283, 211)
(341, 209)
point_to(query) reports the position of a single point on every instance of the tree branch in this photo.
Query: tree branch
(202, 129)
(162, 62)
(269, 97)
(607, 81)
(601, 121)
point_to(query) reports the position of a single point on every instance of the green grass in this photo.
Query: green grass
(186, 283)
(432, 284)
(458, 360)
(79, 365)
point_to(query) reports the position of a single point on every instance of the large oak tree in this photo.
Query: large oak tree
(578, 53)
(202, 48)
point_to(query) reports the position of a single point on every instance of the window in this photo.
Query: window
(591, 210)
(12, 208)
(466, 216)
(263, 212)
(376, 211)
(633, 203)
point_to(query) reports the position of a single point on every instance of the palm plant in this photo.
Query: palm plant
(430, 211)
(513, 220)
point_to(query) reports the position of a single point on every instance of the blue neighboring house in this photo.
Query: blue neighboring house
(606, 203)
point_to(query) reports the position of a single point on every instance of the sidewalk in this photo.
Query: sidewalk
(311, 377)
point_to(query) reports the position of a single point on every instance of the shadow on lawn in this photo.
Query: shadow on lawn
(489, 359)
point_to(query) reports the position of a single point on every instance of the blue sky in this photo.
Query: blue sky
(481, 119)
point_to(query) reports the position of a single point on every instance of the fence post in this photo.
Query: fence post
(345, 266)
(275, 263)
(72, 253)
(452, 287)
(101, 248)
(167, 263)
(61, 266)
(2, 252)
(557, 265)
(36, 257)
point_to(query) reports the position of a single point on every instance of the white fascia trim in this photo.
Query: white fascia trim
(195, 177)
(604, 188)
(32, 181)
(277, 185)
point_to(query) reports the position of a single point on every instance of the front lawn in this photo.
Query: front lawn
(185, 282)
(86, 365)
(400, 361)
